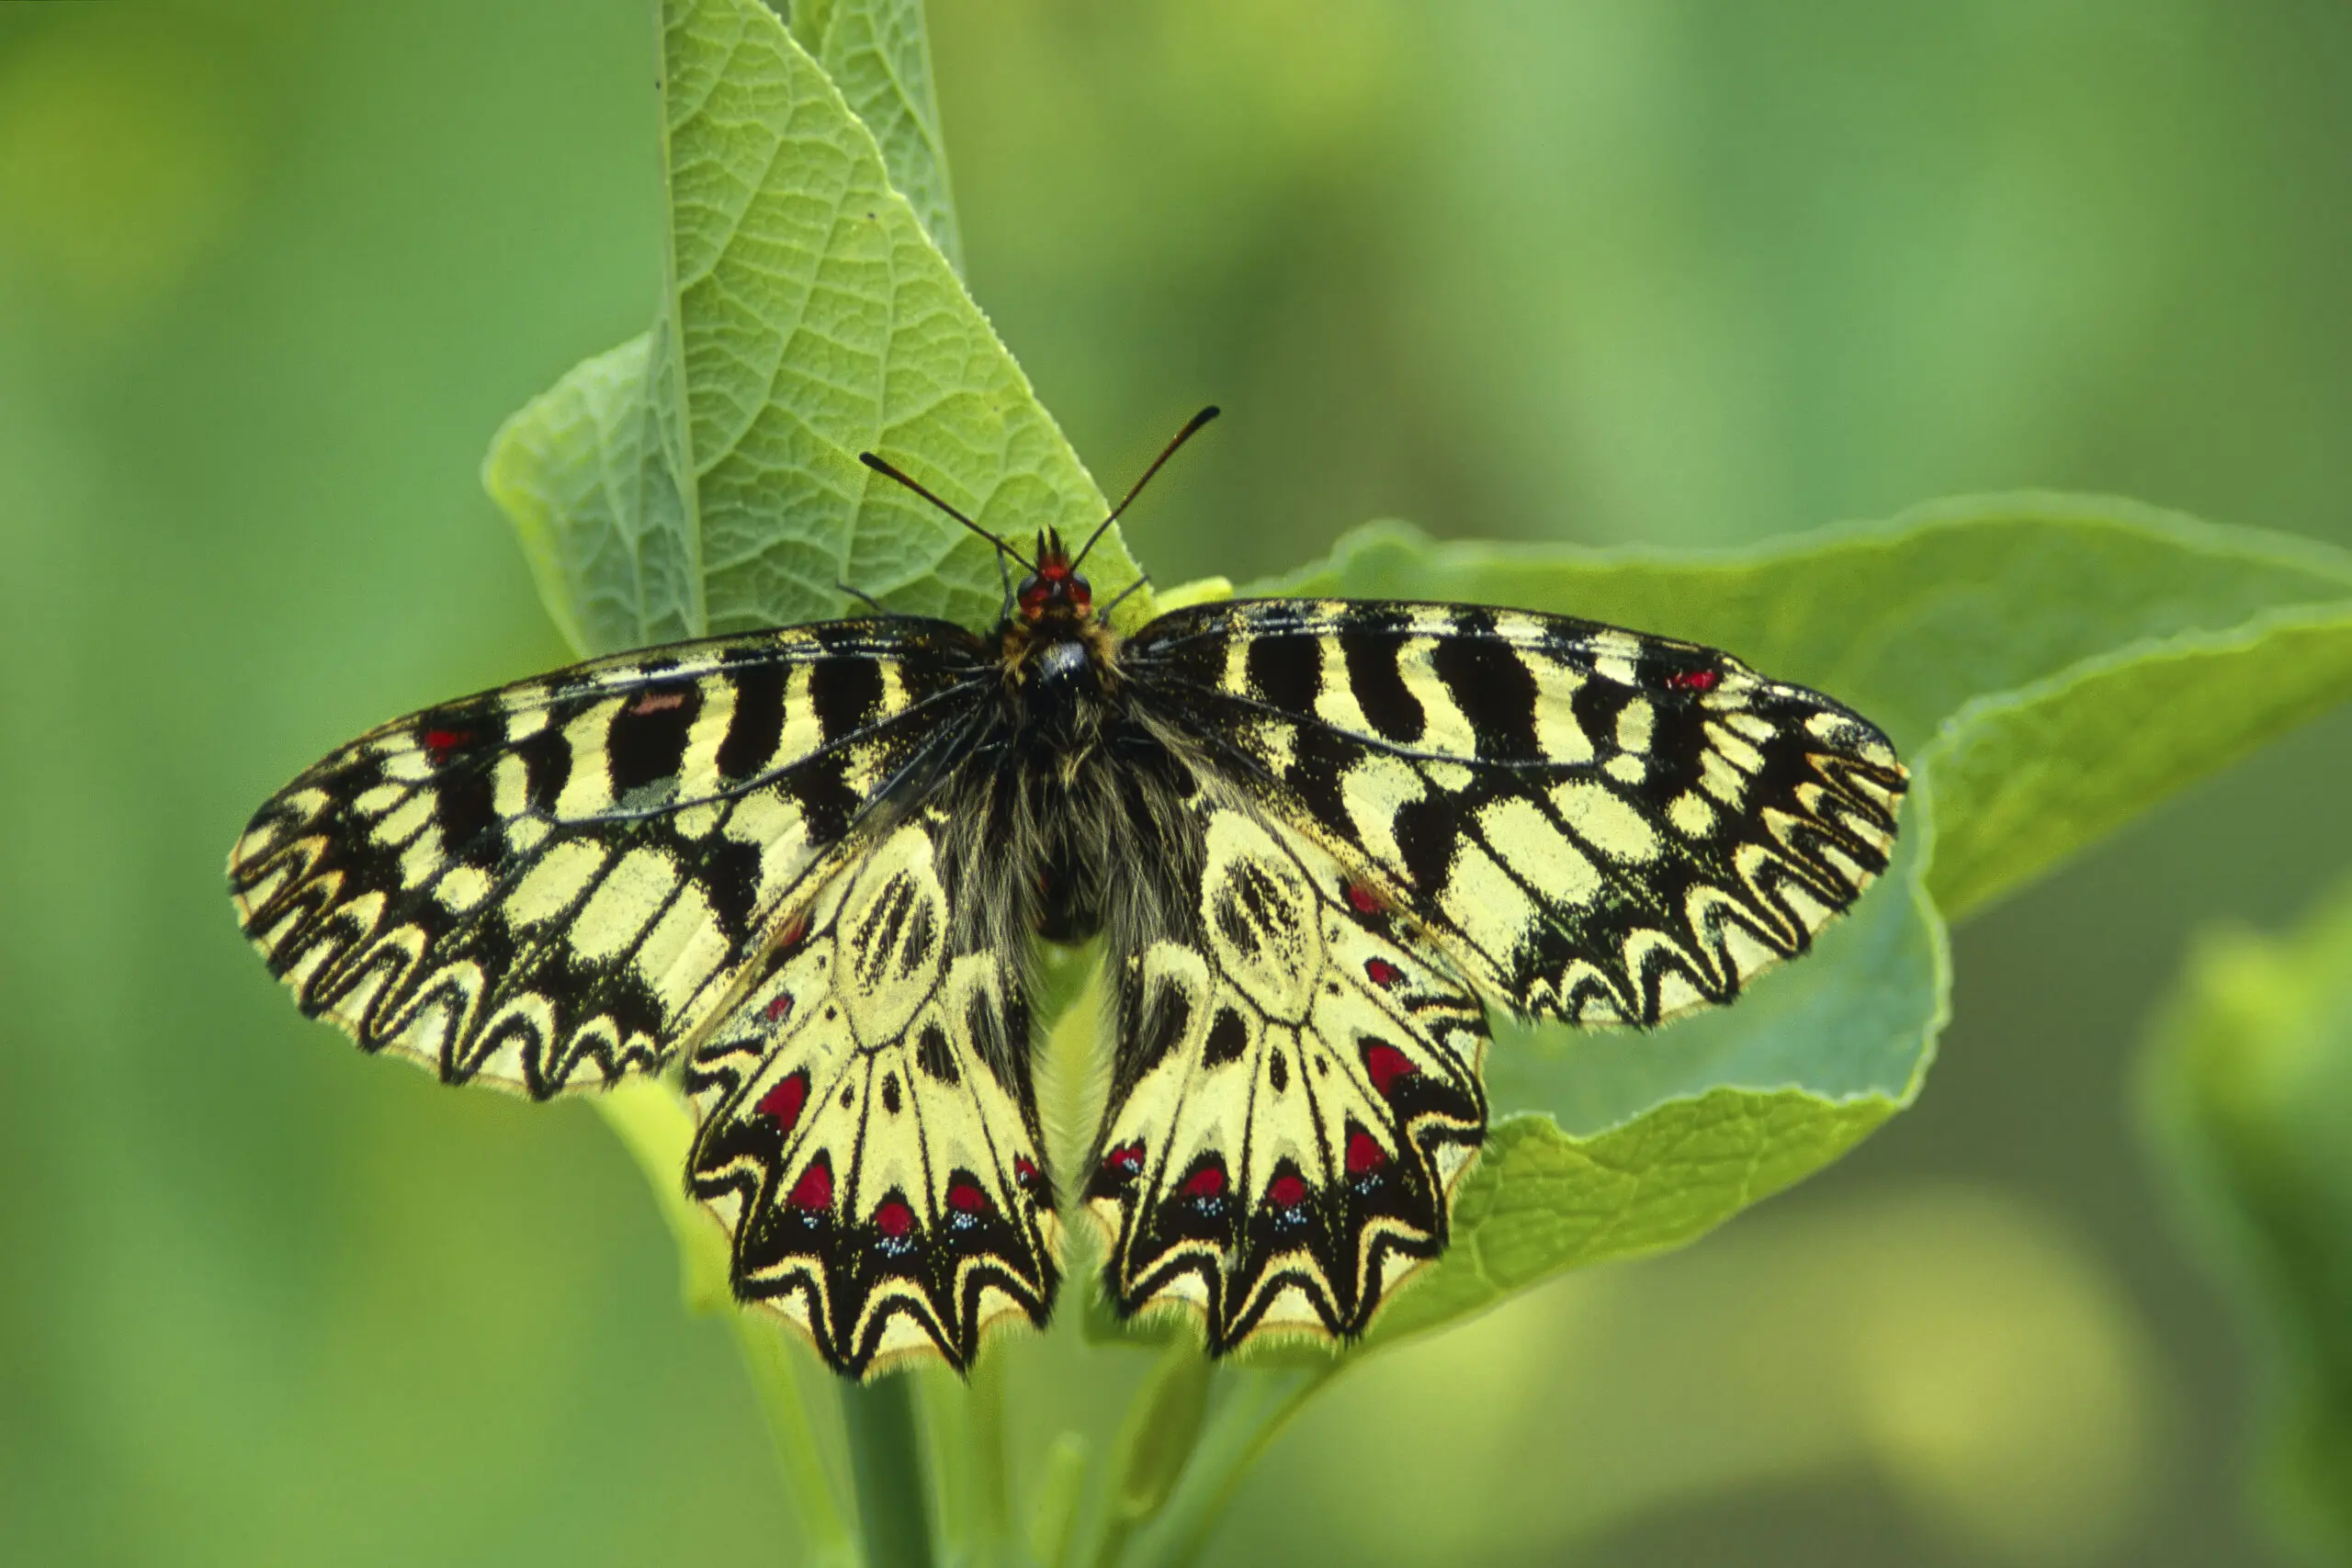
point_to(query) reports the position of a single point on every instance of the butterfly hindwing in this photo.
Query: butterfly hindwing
(1595, 825)
(556, 882)
(1294, 1094)
(869, 1134)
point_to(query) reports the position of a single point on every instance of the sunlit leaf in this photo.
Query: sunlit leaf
(2025, 778)
(704, 478)
(580, 473)
(878, 54)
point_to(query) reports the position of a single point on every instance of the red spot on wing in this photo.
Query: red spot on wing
(894, 1219)
(439, 743)
(1207, 1182)
(782, 1104)
(814, 1191)
(1286, 1192)
(778, 1009)
(1365, 1153)
(966, 1198)
(1125, 1160)
(1025, 1170)
(1363, 899)
(657, 702)
(1694, 680)
(1387, 1065)
(1383, 974)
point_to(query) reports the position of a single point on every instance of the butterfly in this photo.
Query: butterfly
(807, 870)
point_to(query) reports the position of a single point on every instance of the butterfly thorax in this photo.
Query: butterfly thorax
(1060, 719)
(1059, 660)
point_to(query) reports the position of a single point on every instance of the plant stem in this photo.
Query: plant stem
(1055, 1525)
(769, 1361)
(1256, 1406)
(1155, 1444)
(657, 1129)
(943, 1425)
(992, 1480)
(886, 1457)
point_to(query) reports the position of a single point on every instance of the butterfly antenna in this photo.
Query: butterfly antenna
(891, 471)
(1191, 428)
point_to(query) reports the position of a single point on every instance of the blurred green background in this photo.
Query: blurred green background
(270, 275)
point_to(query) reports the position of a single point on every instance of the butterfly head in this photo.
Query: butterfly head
(1055, 592)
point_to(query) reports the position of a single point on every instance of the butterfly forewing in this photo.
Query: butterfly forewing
(1294, 1094)
(869, 1134)
(1595, 825)
(557, 881)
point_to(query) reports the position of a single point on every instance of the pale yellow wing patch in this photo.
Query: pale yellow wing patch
(869, 1136)
(555, 884)
(1296, 1096)
(1595, 825)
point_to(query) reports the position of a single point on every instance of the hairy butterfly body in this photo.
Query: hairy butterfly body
(1316, 839)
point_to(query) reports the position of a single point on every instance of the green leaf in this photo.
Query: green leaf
(578, 472)
(2052, 666)
(878, 54)
(1853, 1021)
(2250, 1099)
(2028, 777)
(704, 478)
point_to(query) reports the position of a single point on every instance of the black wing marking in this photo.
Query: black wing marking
(1595, 825)
(1294, 1094)
(869, 1133)
(571, 872)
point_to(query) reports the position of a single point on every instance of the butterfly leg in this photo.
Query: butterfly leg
(1121, 597)
(868, 600)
